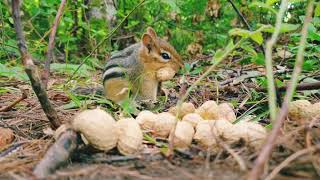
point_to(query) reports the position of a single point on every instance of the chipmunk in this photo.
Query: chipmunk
(139, 68)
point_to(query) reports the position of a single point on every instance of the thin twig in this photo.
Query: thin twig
(23, 96)
(46, 72)
(243, 19)
(289, 159)
(105, 39)
(239, 160)
(31, 69)
(269, 70)
(268, 146)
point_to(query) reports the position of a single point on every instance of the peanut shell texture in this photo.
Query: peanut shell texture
(97, 127)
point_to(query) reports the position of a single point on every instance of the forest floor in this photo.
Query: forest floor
(33, 137)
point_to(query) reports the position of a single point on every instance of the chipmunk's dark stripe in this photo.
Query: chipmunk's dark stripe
(113, 75)
(111, 66)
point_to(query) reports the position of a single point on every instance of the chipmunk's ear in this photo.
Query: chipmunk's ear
(147, 41)
(151, 32)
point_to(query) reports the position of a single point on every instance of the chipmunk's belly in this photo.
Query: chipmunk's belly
(148, 90)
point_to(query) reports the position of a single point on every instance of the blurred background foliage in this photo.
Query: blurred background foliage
(193, 26)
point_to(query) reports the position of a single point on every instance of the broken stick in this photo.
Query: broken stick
(58, 154)
(23, 96)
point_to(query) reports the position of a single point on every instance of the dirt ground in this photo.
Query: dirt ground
(33, 137)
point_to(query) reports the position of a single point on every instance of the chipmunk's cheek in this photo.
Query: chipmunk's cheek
(165, 74)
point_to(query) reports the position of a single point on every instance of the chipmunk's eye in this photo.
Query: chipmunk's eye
(165, 55)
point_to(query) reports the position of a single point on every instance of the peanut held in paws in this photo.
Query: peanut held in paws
(98, 128)
(130, 136)
(165, 74)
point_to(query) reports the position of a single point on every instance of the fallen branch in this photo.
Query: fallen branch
(300, 87)
(46, 72)
(239, 79)
(31, 68)
(23, 96)
(57, 154)
(268, 146)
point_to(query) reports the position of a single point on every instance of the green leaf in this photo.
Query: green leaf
(309, 65)
(270, 2)
(229, 46)
(269, 126)
(4, 90)
(259, 59)
(70, 68)
(257, 37)
(13, 72)
(129, 107)
(217, 55)
(296, 1)
(76, 104)
(196, 71)
(248, 47)
(263, 5)
(239, 32)
(317, 10)
(285, 27)
(173, 5)
(312, 33)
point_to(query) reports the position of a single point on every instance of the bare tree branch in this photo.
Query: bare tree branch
(46, 72)
(31, 69)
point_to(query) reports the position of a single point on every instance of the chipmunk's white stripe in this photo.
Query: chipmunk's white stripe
(113, 70)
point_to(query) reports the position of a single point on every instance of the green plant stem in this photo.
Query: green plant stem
(106, 38)
(269, 67)
(266, 150)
